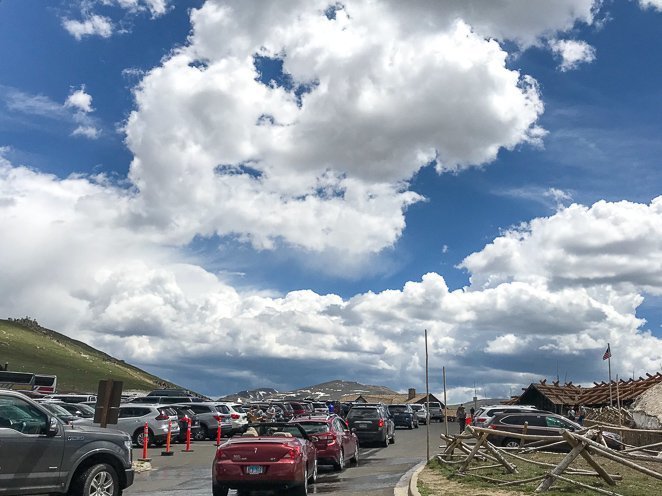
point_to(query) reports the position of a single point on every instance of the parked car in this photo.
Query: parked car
(334, 441)
(183, 415)
(161, 400)
(484, 415)
(436, 411)
(236, 415)
(301, 407)
(59, 412)
(73, 398)
(539, 424)
(372, 423)
(267, 456)
(320, 407)
(209, 416)
(80, 410)
(420, 412)
(403, 416)
(132, 419)
(34, 441)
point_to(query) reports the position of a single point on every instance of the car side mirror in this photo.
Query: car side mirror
(52, 427)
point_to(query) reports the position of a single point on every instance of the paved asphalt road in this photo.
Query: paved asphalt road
(378, 471)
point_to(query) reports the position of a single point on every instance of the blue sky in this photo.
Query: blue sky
(490, 174)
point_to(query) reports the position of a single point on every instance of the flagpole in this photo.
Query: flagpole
(611, 398)
(427, 399)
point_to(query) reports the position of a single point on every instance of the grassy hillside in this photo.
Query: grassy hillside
(28, 347)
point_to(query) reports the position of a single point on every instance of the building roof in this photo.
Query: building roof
(570, 394)
(387, 399)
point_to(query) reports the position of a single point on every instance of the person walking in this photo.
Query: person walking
(461, 417)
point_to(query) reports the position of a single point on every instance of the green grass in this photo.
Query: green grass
(633, 484)
(79, 367)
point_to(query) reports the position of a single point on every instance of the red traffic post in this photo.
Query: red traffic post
(167, 451)
(188, 437)
(218, 434)
(145, 444)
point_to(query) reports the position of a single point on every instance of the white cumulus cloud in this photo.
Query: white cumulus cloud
(94, 25)
(572, 53)
(651, 4)
(80, 100)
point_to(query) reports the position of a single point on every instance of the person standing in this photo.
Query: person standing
(461, 417)
(581, 411)
(572, 415)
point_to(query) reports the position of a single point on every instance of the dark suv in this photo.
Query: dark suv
(40, 454)
(403, 416)
(539, 424)
(372, 423)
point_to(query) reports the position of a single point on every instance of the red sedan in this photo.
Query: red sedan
(266, 456)
(334, 441)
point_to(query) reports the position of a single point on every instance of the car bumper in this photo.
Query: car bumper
(276, 475)
(371, 435)
(128, 477)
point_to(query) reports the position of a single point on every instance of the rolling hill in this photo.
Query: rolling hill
(28, 347)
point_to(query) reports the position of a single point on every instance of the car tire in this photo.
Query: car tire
(509, 442)
(139, 435)
(219, 490)
(98, 479)
(411, 425)
(392, 440)
(203, 433)
(385, 441)
(355, 458)
(313, 478)
(340, 464)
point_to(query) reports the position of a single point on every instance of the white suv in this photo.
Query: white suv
(485, 414)
(132, 419)
(235, 413)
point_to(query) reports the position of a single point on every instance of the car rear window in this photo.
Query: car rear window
(314, 427)
(363, 413)
(397, 408)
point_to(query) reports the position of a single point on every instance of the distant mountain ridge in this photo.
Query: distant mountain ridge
(28, 347)
(331, 390)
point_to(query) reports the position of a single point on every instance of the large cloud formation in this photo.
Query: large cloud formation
(320, 159)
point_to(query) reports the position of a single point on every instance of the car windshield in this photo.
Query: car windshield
(363, 413)
(56, 409)
(416, 407)
(86, 409)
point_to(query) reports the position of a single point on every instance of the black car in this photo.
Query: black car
(539, 424)
(403, 416)
(183, 414)
(372, 423)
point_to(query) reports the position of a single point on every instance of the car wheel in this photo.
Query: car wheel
(416, 425)
(100, 479)
(313, 478)
(340, 464)
(355, 457)
(139, 437)
(385, 441)
(411, 425)
(202, 434)
(509, 442)
(219, 490)
(392, 440)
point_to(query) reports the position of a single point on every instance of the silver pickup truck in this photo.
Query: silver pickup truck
(39, 454)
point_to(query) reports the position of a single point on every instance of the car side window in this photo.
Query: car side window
(556, 423)
(127, 412)
(22, 416)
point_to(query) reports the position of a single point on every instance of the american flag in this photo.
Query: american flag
(607, 354)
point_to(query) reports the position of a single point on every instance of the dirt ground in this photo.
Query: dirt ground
(437, 484)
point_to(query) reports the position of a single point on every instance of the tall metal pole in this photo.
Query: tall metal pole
(427, 397)
(443, 370)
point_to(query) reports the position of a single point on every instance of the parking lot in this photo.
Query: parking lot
(377, 473)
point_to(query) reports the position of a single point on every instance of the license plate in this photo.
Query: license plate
(362, 426)
(254, 469)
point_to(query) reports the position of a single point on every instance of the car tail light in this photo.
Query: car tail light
(481, 419)
(381, 423)
(221, 455)
(235, 416)
(292, 453)
(328, 439)
(162, 416)
(491, 426)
